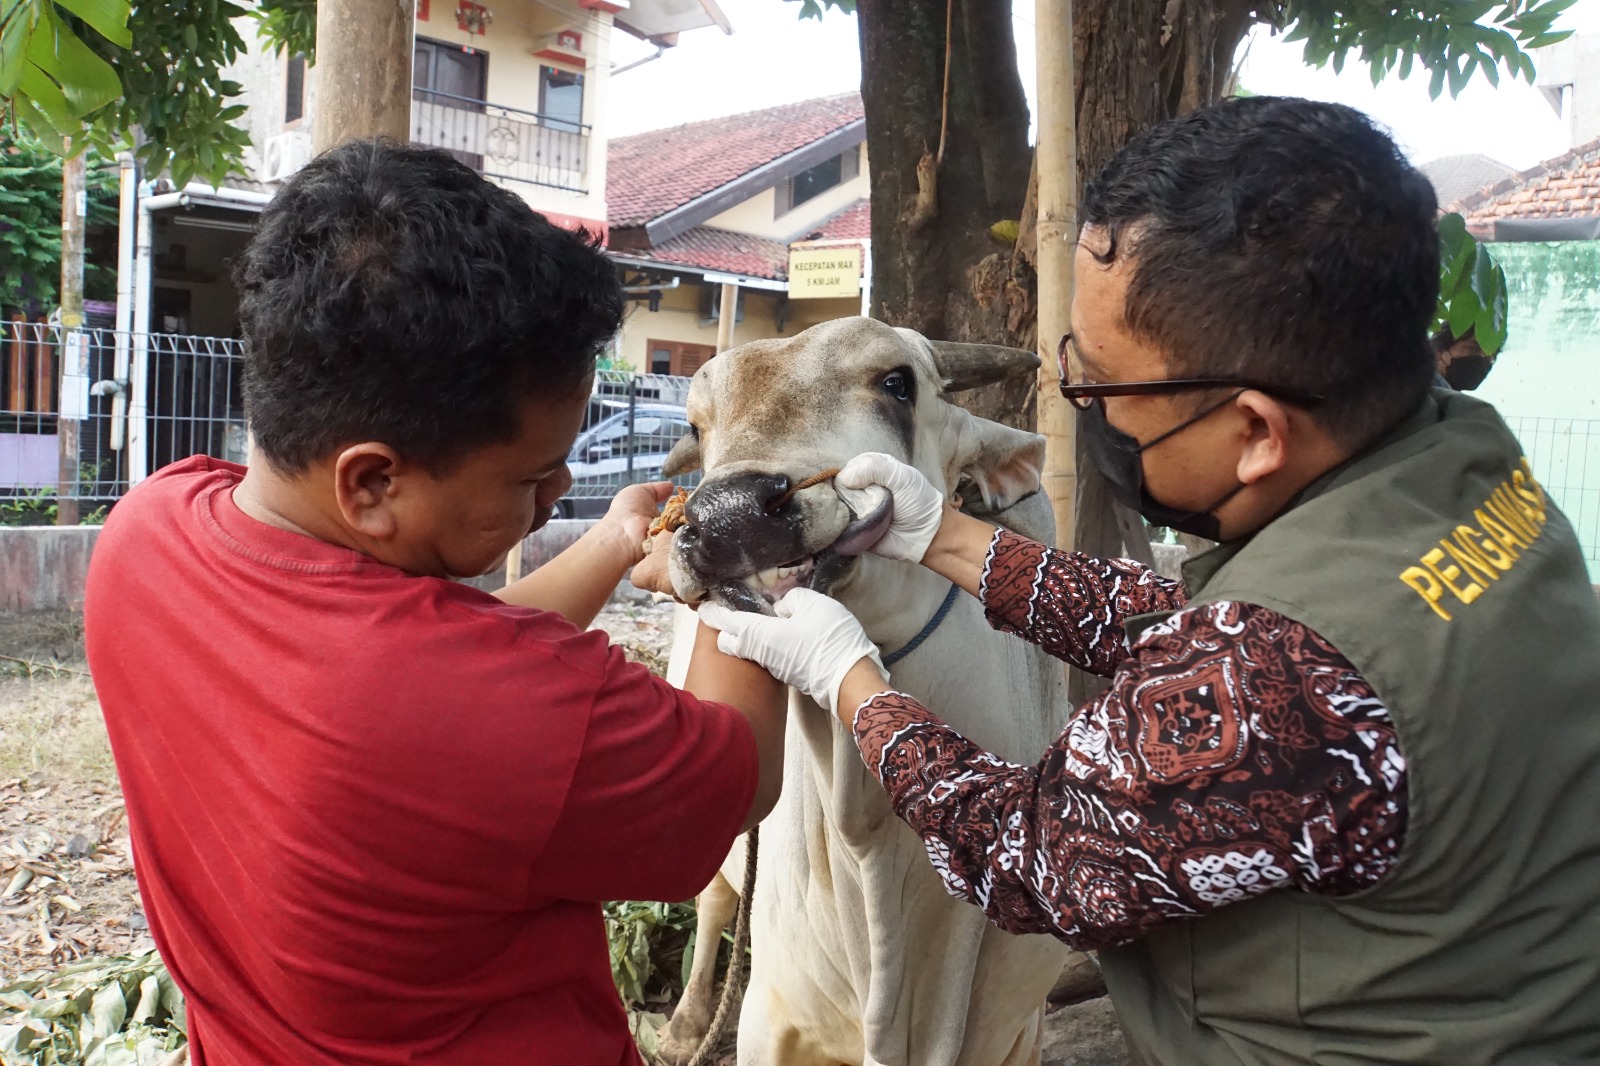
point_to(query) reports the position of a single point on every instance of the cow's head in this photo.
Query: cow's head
(771, 413)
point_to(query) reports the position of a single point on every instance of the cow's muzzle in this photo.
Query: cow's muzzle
(748, 540)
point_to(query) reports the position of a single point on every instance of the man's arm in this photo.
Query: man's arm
(579, 581)
(1070, 604)
(1241, 753)
(754, 693)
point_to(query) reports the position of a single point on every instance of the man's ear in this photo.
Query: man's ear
(364, 485)
(1266, 446)
(684, 456)
(1002, 464)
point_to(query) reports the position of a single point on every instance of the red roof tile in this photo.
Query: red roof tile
(853, 222)
(649, 174)
(722, 251)
(1567, 186)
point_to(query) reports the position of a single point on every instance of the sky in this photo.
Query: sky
(773, 57)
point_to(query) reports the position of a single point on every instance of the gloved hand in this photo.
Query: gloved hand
(918, 506)
(811, 644)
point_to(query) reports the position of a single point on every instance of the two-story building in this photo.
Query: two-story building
(727, 205)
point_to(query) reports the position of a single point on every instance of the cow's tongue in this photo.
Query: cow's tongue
(865, 531)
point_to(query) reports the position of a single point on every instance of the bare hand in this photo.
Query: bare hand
(651, 574)
(634, 508)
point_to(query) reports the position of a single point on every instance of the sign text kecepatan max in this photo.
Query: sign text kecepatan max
(823, 273)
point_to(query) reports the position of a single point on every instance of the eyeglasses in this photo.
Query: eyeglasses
(1084, 397)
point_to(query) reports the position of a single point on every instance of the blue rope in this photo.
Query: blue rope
(927, 630)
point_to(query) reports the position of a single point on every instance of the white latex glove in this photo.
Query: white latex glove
(918, 506)
(811, 645)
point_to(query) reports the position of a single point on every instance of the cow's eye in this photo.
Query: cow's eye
(897, 383)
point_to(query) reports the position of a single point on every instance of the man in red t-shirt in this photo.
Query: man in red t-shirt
(374, 810)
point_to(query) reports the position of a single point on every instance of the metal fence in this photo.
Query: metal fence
(1565, 453)
(85, 413)
(501, 142)
(132, 403)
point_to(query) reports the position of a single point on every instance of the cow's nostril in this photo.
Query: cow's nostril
(778, 495)
(690, 532)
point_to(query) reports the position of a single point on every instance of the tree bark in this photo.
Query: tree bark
(363, 71)
(73, 223)
(936, 268)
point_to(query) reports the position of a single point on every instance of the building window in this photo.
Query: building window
(561, 99)
(809, 184)
(294, 89)
(679, 358)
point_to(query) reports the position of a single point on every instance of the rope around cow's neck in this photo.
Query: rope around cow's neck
(732, 982)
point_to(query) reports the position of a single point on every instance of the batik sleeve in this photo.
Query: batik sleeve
(1238, 753)
(1070, 604)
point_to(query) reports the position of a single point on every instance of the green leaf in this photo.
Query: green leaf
(108, 17)
(1436, 83)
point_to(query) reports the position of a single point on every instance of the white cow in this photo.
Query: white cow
(858, 953)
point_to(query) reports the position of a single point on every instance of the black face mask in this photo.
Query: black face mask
(1117, 456)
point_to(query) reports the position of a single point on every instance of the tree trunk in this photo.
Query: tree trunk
(935, 267)
(74, 210)
(363, 71)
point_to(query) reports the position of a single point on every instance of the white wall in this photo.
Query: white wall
(520, 28)
(754, 216)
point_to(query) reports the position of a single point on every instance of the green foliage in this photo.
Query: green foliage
(157, 68)
(290, 26)
(1451, 38)
(49, 77)
(98, 1012)
(174, 91)
(813, 9)
(1472, 288)
(30, 204)
(652, 949)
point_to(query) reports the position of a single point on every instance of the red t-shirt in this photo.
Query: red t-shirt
(373, 814)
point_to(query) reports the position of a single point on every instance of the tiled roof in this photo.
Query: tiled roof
(854, 221)
(722, 251)
(649, 174)
(1454, 176)
(1567, 186)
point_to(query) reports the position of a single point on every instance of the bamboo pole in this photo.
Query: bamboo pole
(363, 71)
(74, 209)
(1057, 159)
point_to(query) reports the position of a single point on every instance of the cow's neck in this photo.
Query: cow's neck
(894, 600)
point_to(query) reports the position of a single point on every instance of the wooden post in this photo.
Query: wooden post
(74, 208)
(730, 301)
(16, 365)
(1057, 160)
(363, 71)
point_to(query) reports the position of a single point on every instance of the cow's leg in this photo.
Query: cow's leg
(769, 1037)
(714, 909)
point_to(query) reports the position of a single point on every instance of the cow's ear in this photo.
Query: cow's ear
(684, 456)
(1001, 464)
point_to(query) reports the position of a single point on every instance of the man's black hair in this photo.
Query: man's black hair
(1284, 240)
(392, 294)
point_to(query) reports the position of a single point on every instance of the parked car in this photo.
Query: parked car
(622, 449)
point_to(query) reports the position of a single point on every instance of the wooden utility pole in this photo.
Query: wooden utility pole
(1057, 160)
(363, 71)
(74, 209)
(729, 307)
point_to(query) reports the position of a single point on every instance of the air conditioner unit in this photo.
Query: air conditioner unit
(285, 154)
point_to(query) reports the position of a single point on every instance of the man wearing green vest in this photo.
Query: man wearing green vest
(1338, 803)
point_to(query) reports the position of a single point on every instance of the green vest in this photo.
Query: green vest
(1438, 567)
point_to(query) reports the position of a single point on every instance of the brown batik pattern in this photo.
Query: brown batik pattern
(1236, 752)
(1068, 603)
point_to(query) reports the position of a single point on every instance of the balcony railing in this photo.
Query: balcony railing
(503, 143)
